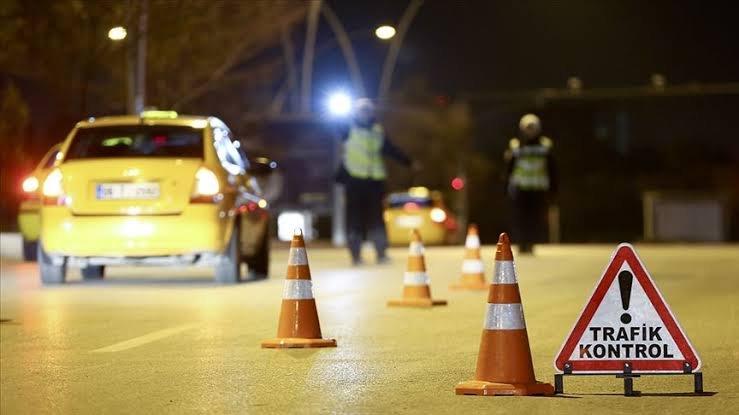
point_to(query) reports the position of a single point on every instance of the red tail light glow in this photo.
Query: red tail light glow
(30, 184)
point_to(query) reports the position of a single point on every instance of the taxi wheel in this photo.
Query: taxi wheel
(93, 272)
(51, 273)
(228, 265)
(30, 250)
(259, 262)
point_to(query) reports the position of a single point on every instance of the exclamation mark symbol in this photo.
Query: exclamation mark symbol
(625, 278)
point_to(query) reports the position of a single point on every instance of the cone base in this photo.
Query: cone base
(483, 388)
(297, 343)
(481, 286)
(415, 302)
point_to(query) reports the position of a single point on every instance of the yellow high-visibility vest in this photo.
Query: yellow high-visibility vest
(363, 153)
(530, 170)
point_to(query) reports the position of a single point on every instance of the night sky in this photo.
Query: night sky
(464, 46)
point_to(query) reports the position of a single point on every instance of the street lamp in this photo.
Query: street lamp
(385, 32)
(117, 33)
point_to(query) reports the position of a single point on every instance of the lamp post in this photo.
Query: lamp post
(140, 94)
(135, 59)
(118, 34)
(392, 55)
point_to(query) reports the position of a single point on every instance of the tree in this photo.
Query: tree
(194, 48)
(13, 126)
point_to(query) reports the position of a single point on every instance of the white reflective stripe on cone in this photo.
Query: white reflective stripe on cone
(298, 290)
(472, 241)
(473, 266)
(415, 249)
(505, 273)
(415, 278)
(504, 317)
(297, 256)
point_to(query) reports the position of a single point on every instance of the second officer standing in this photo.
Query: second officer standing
(531, 182)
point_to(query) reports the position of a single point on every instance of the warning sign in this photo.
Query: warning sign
(626, 322)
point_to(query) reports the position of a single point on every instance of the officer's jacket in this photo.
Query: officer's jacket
(364, 149)
(530, 165)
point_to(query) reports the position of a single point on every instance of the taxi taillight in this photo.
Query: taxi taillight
(207, 187)
(52, 190)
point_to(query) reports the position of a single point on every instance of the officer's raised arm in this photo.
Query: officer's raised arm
(389, 149)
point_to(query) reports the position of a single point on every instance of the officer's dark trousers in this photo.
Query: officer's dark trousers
(364, 215)
(529, 218)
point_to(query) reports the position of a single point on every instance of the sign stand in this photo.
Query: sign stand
(628, 378)
(627, 330)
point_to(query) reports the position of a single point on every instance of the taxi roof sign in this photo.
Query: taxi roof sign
(158, 114)
(626, 322)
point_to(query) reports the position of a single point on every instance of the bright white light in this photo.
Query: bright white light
(30, 184)
(133, 228)
(287, 222)
(438, 215)
(53, 184)
(385, 32)
(201, 124)
(206, 182)
(117, 33)
(339, 104)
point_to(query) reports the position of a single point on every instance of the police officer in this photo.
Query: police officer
(363, 175)
(530, 181)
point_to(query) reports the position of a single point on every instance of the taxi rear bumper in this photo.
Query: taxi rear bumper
(198, 230)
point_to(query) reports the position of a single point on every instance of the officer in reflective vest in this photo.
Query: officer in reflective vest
(530, 181)
(363, 175)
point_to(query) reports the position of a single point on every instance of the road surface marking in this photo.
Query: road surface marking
(142, 340)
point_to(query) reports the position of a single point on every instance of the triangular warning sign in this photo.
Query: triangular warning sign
(626, 324)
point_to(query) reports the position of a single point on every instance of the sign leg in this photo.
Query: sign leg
(559, 384)
(698, 382)
(628, 386)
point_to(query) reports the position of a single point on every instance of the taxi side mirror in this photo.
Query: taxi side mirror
(261, 166)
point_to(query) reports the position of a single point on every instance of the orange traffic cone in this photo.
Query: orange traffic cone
(473, 270)
(504, 364)
(416, 290)
(299, 325)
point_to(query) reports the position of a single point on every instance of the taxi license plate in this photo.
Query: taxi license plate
(127, 191)
(406, 221)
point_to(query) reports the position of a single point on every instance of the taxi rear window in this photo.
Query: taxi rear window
(400, 200)
(136, 141)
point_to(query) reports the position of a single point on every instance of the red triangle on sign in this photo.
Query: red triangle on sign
(625, 321)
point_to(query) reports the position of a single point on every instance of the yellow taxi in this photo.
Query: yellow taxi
(422, 209)
(29, 222)
(154, 189)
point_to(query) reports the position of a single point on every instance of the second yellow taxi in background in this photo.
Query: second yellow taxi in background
(29, 220)
(422, 209)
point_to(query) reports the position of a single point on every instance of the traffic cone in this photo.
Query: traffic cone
(299, 325)
(473, 270)
(504, 364)
(416, 290)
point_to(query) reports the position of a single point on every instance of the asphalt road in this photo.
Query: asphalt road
(163, 340)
